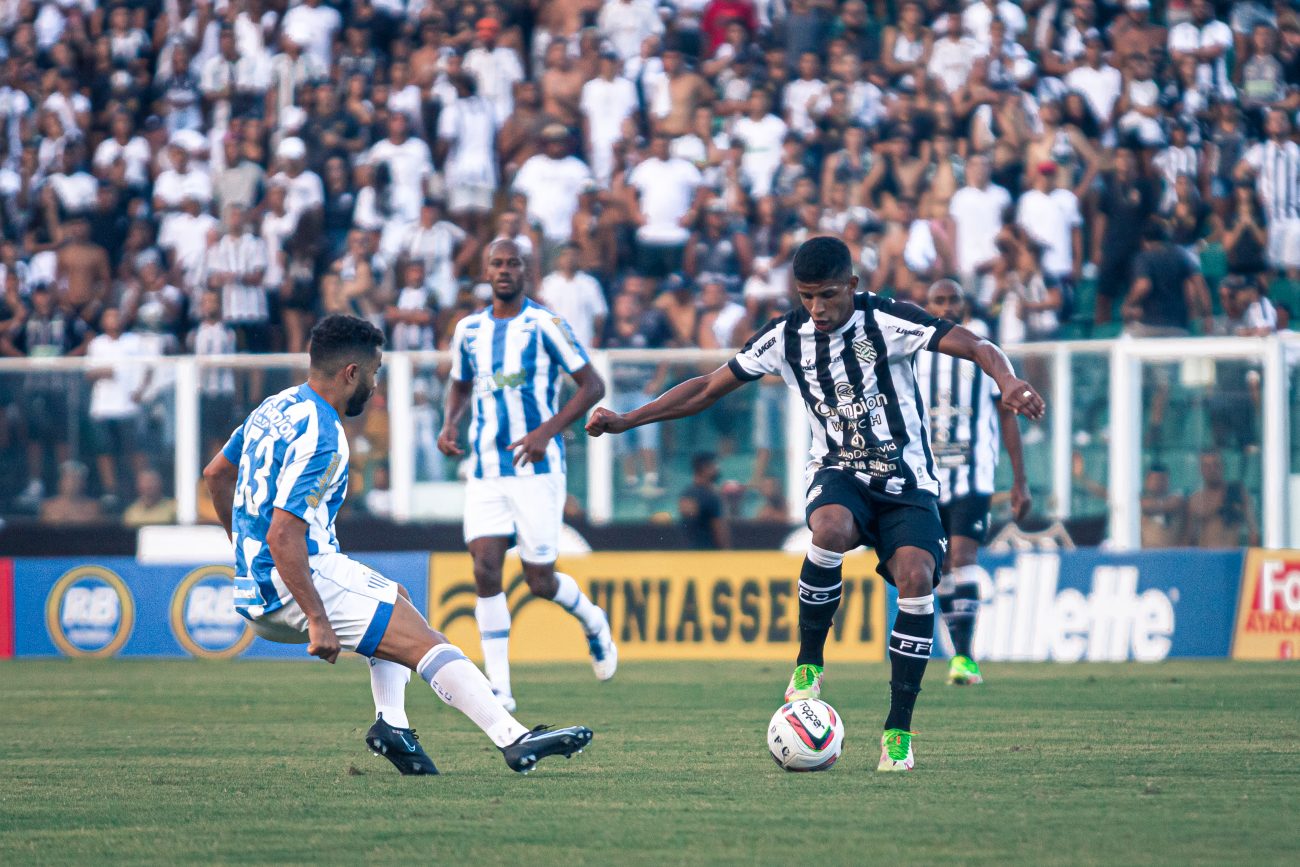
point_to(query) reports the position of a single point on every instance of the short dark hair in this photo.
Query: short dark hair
(700, 460)
(339, 339)
(821, 259)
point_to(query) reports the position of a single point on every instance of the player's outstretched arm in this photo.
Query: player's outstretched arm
(1017, 395)
(692, 396)
(287, 539)
(220, 475)
(1021, 501)
(531, 448)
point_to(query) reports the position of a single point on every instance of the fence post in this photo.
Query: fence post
(1276, 443)
(401, 434)
(1125, 454)
(600, 457)
(1062, 410)
(186, 474)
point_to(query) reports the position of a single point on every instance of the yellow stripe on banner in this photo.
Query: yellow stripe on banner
(669, 605)
(1268, 613)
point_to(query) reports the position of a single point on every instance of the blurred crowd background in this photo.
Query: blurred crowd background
(188, 176)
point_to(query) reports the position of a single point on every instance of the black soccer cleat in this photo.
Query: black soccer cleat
(401, 747)
(524, 754)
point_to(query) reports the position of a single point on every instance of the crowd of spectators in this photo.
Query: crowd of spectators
(211, 176)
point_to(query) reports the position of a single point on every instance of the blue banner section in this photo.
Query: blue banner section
(1096, 606)
(117, 607)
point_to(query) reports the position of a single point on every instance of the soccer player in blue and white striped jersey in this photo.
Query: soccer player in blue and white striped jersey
(277, 487)
(507, 361)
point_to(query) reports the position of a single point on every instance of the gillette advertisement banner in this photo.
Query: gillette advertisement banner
(1069, 606)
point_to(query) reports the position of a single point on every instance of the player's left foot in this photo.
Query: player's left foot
(805, 683)
(964, 671)
(604, 655)
(524, 754)
(401, 747)
(896, 751)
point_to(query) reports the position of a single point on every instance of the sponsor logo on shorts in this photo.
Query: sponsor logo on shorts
(203, 615)
(90, 612)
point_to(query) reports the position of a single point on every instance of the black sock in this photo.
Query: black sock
(909, 651)
(959, 608)
(819, 598)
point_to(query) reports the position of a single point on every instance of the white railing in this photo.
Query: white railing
(1276, 357)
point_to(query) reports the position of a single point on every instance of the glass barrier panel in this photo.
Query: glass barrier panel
(1090, 434)
(1201, 460)
(1036, 442)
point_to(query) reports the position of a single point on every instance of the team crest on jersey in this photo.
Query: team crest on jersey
(865, 352)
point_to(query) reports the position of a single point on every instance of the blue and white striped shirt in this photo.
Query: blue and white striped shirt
(292, 454)
(515, 366)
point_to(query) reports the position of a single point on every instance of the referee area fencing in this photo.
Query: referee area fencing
(1116, 410)
(1060, 606)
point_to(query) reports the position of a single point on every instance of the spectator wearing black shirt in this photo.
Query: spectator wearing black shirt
(1167, 292)
(701, 506)
(1127, 201)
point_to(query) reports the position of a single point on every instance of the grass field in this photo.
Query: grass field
(182, 762)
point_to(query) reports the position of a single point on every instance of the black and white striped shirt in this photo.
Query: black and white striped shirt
(859, 387)
(961, 409)
(241, 260)
(1277, 177)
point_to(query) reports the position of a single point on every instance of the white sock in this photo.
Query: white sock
(493, 616)
(570, 597)
(917, 604)
(388, 682)
(458, 683)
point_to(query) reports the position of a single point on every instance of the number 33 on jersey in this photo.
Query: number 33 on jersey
(292, 454)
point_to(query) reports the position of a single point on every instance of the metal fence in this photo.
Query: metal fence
(1115, 408)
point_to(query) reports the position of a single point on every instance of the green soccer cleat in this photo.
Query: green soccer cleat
(806, 682)
(964, 671)
(896, 751)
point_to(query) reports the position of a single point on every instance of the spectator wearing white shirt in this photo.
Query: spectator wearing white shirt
(606, 101)
(576, 296)
(552, 181)
(185, 238)
(410, 165)
(953, 56)
(1051, 217)
(404, 95)
(125, 146)
(977, 212)
(760, 134)
(442, 248)
(217, 79)
(1275, 164)
(627, 23)
(1098, 81)
(114, 401)
(237, 270)
(495, 67)
(312, 25)
(1208, 40)
(412, 318)
(662, 203)
(979, 16)
(467, 147)
(303, 188)
(802, 96)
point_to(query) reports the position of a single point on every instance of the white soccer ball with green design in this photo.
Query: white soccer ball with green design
(806, 735)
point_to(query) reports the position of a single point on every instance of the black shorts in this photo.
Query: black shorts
(1115, 273)
(116, 436)
(884, 522)
(967, 516)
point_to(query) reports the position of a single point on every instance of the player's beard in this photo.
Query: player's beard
(357, 402)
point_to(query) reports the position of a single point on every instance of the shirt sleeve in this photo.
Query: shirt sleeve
(234, 447)
(763, 354)
(561, 344)
(906, 325)
(309, 467)
(462, 366)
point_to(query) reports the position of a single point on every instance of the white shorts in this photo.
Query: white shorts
(358, 601)
(469, 197)
(1284, 243)
(530, 508)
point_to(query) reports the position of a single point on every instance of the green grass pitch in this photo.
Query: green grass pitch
(262, 762)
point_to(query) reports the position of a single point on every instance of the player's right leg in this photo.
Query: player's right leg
(410, 641)
(488, 531)
(832, 501)
(965, 520)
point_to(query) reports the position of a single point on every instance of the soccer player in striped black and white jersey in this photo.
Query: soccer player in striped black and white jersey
(277, 487)
(871, 475)
(507, 361)
(966, 419)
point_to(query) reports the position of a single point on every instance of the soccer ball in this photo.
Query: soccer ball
(806, 735)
